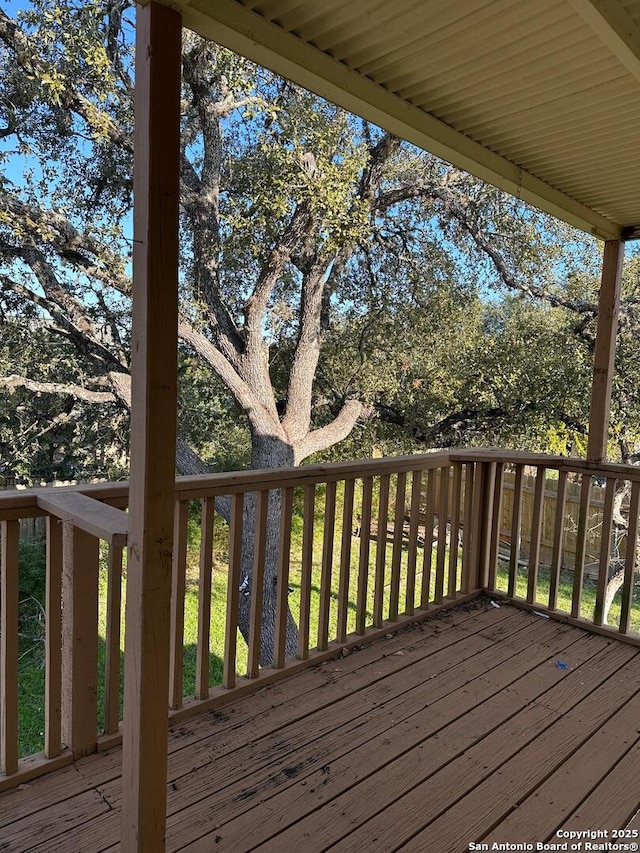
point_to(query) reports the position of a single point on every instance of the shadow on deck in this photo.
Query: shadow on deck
(481, 724)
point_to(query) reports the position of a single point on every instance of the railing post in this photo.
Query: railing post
(481, 517)
(10, 533)
(79, 639)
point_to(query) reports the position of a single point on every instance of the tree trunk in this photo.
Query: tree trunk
(268, 451)
(613, 585)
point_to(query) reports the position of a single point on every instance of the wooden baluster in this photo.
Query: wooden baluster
(605, 551)
(469, 572)
(558, 539)
(178, 584)
(452, 582)
(581, 545)
(207, 523)
(536, 535)
(365, 548)
(345, 561)
(53, 640)
(10, 531)
(516, 532)
(496, 518)
(381, 550)
(630, 559)
(327, 564)
(257, 584)
(443, 512)
(396, 555)
(412, 550)
(233, 592)
(425, 591)
(306, 571)
(112, 651)
(79, 639)
(282, 591)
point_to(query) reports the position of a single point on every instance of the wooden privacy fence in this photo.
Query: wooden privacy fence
(526, 490)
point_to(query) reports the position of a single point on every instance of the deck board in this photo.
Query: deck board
(461, 729)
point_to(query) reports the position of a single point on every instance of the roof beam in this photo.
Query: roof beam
(230, 23)
(614, 28)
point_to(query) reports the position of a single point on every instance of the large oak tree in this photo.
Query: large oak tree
(300, 225)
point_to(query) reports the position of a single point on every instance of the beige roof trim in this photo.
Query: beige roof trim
(231, 24)
(615, 29)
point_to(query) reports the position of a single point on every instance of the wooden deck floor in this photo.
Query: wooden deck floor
(468, 728)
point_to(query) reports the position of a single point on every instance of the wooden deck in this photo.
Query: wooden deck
(481, 724)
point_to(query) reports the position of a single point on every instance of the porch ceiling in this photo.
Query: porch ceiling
(541, 99)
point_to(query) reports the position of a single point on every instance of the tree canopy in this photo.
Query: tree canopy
(315, 248)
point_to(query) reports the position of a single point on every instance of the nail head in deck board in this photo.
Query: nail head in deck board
(94, 517)
(153, 423)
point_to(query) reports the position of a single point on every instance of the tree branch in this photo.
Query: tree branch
(55, 229)
(299, 226)
(307, 352)
(325, 437)
(11, 383)
(259, 414)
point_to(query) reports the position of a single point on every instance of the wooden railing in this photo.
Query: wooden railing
(360, 549)
(601, 599)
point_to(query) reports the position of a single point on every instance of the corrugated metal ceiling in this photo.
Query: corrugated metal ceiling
(533, 82)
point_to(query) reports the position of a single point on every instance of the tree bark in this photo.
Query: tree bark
(268, 451)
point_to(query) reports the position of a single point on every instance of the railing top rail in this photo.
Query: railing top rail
(204, 485)
(26, 501)
(559, 463)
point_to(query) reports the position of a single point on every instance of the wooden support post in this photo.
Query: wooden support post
(153, 426)
(79, 639)
(604, 356)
